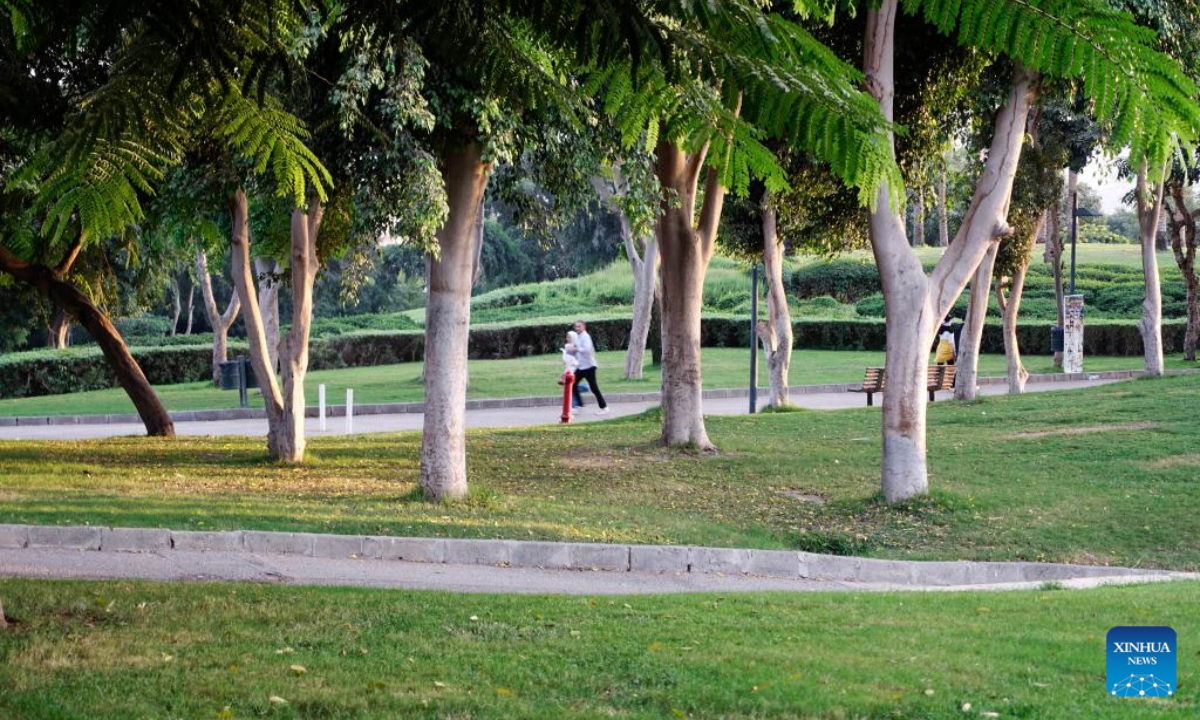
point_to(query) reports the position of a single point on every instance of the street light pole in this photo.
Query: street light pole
(1074, 232)
(754, 338)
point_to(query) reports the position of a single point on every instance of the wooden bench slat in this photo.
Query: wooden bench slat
(937, 377)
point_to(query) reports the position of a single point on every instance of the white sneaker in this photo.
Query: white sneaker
(602, 411)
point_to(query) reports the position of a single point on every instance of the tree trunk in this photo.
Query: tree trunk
(915, 303)
(1182, 224)
(59, 330)
(966, 381)
(220, 322)
(644, 265)
(776, 333)
(268, 301)
(686, 251)
(447, 324)
(1149, 209)
(65, 296)
(191, 308)
(292, 354)
(943, 210)
(1054, 256)
(283, 395)
(645, 291)
(1010, 307)
(176, 304)
(919, 220)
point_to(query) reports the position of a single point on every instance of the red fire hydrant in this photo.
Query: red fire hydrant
(568, 382)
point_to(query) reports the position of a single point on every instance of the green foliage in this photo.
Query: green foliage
(1102, 233)
(787, 85)
(846, 280)
(1141, 95)
(175, 75)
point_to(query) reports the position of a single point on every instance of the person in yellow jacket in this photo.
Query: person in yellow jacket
(946, 352)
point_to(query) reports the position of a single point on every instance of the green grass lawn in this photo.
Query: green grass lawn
(142, 650)
(723, 367)
(1103, 475)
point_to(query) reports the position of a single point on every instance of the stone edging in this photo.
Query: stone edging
(518, 402)
(558, 555)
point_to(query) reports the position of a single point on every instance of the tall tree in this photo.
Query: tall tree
(220, 321)
(1181, 226)
(1116, 62)
(641, 250)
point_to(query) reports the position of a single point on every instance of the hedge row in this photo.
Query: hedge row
(48, 372)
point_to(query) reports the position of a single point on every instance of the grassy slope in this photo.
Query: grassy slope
(123, 650)
(1105, 475)
(519, 377)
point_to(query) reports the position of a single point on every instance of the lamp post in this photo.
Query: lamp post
(1072, 333)
(1076, 213)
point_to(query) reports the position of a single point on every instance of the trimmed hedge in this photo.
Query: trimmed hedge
(50, 372)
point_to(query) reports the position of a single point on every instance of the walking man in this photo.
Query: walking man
(586, 354)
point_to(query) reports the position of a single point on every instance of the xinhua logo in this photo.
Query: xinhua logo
(1141, 661)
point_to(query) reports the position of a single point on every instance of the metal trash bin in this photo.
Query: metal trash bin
(231, 371)
(1056, 339)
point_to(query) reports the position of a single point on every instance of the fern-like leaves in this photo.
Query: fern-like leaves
(1141, 95)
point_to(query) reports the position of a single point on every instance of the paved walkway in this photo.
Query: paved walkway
(506, 417)
(297, 570)
(492, 565)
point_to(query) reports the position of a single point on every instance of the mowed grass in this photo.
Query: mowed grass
(139, 650)
(521, 377)
(1107, 475)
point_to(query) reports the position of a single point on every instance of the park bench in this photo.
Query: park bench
(939, 377)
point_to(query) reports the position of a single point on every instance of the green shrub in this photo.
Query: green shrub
(349, 324)
(848, 281)
(870, 306)
(51, 372)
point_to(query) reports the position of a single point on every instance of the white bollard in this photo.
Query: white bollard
(321, 406)
(349, 411)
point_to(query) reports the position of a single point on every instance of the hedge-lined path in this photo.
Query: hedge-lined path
(514, 416)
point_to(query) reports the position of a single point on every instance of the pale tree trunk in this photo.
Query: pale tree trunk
(176, 304)
(285, 408)
(645, 294)
(477, 271)
(1149, 209)
(970, 340)
(943, 210)
(219, 321)
(1183, 244)
(915, 303)
(919, 220)
(686, 249)
(293, 349)
(59, 330)
(447, 324)
(1054, 256)
(776, 333)
(1010, 309)
(268, 302)
(644, 265)
(191, 308)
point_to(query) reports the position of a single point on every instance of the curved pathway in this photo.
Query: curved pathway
(481, 418)
(495, 566)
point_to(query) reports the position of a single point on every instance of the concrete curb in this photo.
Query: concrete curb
(562, 556)
(522, 402)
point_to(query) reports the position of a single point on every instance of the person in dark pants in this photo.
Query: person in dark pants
(585, 351)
